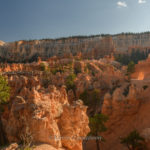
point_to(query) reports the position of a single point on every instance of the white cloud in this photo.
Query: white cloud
(142, 1)
(122, 4)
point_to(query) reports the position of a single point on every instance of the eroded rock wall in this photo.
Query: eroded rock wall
(90, 47)
(46, 113)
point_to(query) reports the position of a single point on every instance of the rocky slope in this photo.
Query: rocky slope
(40, 106)
(44, 114)
(90, 47)
(43, 106)
(128, 109)
(48, 116)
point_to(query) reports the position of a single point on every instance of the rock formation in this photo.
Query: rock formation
(86, 47)
(142, 71)
(2, 43)
(40, 105)
(23, 51)
(123, 42)
(45, 114)
(130, 111)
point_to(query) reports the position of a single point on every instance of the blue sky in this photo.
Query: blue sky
(36, 19)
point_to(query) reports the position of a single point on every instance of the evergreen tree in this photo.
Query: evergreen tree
(4, 96)
(134, 141)
(131, 67)
(97, 125)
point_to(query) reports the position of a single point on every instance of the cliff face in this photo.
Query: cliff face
(124, 42)
(2, 43)
(127, 108)
(126, 114)
(23, 51)
(90, 47)
(129, 111)
(44, 114)
(142, 71)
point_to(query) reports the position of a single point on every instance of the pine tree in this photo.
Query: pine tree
(4, 96)
(97, 125)
(134, 141)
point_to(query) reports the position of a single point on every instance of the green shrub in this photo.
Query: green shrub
(4, 97)
(4, 90)
(26, 148)
(95, 96)
(85, 97)
(90, 98)
(145, 87)
(131, 66)
(86, 69)
(70, 82)
(97, 126)
(133, 141)
(46, 78)
(77, 70)
(42, 66)
(57, 69)
(135, 56)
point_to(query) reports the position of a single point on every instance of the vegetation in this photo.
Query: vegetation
(91, 97)
(85, 97)
(145, 87)
(4, 90)
(4, 97)
(26, 148)
(77, 70)
(131, 67)
(88, 36)
(135, 56)
(46, 77)
(57, 69)
(70, 82)
(97, 126)
(43, 66)
(134, 141)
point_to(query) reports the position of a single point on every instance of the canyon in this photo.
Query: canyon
(51, 96)
(44, 107)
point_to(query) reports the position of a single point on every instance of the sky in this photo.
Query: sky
(38, 19)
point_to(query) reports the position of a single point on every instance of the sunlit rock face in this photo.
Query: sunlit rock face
(142, 71)
(2, 43)
(128, 108)
(55, 117)
(141, 76)
(46, 112)
(52, 112)
(126, 115)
